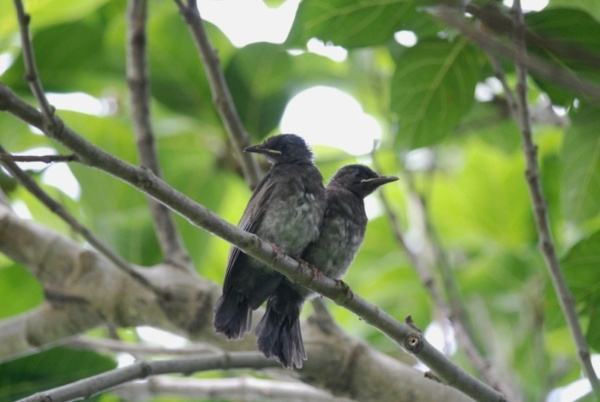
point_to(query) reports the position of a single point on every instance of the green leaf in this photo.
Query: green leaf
(47, 370)
(258, 75)
(46, 12)
(575, 39)
(350, 23)
(484, 200)
(60, 62)
(592, 7)
(19, 289)
(580, 160)
(432, 89)
(581, 271)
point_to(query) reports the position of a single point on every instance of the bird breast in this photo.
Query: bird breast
(292, 221)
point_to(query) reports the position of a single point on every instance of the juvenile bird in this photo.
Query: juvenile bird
(286, 208)
(341, 234)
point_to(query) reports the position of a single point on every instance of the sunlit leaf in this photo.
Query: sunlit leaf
(583, 276)
(351, 24)
(432, 89)
(580, 160)
(575, 37)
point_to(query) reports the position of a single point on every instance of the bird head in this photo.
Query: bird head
(283, 148)
(360, 179)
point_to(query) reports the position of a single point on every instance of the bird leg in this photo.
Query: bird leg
(345, 288)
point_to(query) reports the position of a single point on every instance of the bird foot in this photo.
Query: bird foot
(315, 272)
(277, 251)
(345, 288)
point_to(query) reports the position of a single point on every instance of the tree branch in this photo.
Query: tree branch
(169, 237)
(299, 272)
(220, 91)
(489, 44)
(85, 290)
(93, 385)
(236, 389)
(112, 345)
(5, 157)
(447, 310)
(58, 209)
(566, 300)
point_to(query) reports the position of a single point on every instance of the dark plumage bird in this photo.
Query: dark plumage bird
(286, 208)
(341, 234)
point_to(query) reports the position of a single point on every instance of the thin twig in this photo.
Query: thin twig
(546, 243)
(38, 158)
(101, 382)
(169, 237)
(464, 337)
(220, 92)
(299, 272)
(57, 208)
(243, 388)
(112, 345)
(31, 73)
(539, 66)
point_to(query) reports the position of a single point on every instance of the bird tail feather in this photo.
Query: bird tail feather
(233, 315)
(278, 333)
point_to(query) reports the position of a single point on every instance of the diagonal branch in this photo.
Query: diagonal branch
(57, 208)
(565, 298)
(220, 91)
(139, 88)
(101, 382)
(4, 157)
(299, 272)
(449, 311)
(90, 292)
(244, 388)
(489, 44)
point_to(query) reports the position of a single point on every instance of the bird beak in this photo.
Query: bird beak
(260, 149)
(380, 180)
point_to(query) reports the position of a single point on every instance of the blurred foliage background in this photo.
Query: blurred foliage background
(462, 201)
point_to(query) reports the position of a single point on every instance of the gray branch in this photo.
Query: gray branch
(84, 290)
(537, 65)
(93, 385)
(299, 272)
(220, 91)
(546, 243)
(236, 389)
(169, 237)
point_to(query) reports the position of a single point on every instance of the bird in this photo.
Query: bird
(341, 234)
(286, 209)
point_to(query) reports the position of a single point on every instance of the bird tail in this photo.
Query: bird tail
(233, 315)
(278, 333)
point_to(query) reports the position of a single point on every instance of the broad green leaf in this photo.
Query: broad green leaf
(62, 64)
(258, 75)
(19, 289)
(581, 271)
(492, 122)
(432, 89)
(49, 369)
(575, 36)
(592, 7)
(580, 160)
(176, 69)
(46, 12)
(483, 201)
(354, 23)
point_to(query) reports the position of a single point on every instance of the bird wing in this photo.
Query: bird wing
(249, 222)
